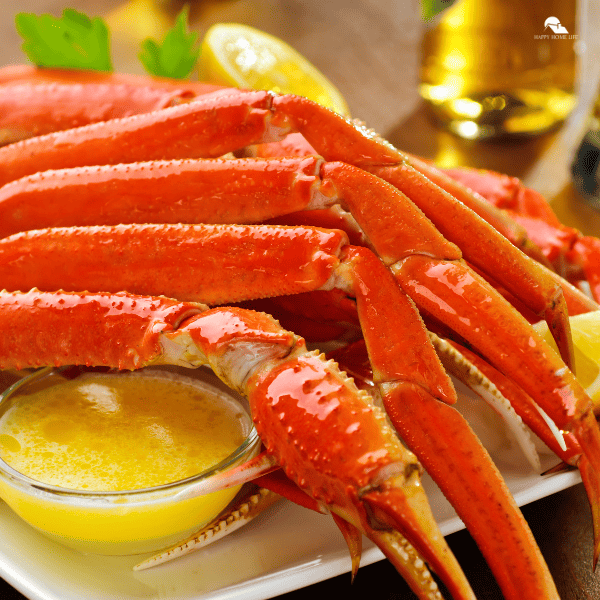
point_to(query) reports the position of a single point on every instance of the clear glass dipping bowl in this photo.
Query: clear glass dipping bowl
(119, 523)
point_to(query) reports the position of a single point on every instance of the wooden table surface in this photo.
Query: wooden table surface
(370, 50)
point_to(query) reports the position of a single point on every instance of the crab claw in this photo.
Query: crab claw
(329, 437)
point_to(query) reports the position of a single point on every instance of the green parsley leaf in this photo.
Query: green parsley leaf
(177, 54)
(431, 8)
(73, 41)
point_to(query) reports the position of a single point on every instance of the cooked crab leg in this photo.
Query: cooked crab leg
(227, 120)
(27, 111)
(299, 402)
(566, 447)
(188, 261)
(321, 261)
(337, 139)
(182, 191)
(400, 235)
(421, 419)
(565, 248)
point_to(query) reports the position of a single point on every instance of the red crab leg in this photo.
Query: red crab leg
(212, 125)
(586, 254)
(337, 139)
(29, 110)
(570, 453)
(182, 191)
(255, 111)
(530, 209)
(428, 426)
(228, 120)
(188, 262)
(36, 101)
(299, 402)
(408, 240)
(450, 291)
(412, 363)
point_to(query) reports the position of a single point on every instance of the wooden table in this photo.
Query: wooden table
(369, 49)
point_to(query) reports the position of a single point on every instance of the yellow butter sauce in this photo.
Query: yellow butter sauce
(107, 433)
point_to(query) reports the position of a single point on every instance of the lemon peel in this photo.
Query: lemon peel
(245, 57)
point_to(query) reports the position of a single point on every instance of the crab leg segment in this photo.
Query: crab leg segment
(337, 139)
(586, 254)
(177, 191)
(187, 262)
(563, 247)
(431, 429)
(462, 300)
(329, 438)
(227, 120)
(299, 260)
(182, 261)
(419, 257)
(320, 394)
(208, 127)
(28, 110)
(569, 450)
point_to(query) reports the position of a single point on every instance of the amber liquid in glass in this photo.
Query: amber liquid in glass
(498, 67)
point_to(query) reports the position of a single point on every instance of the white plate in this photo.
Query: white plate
(282, 550)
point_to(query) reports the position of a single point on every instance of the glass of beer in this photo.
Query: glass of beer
(501, 67)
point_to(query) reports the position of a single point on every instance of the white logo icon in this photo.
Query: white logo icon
(555, 25)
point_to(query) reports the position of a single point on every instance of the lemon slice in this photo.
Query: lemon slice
(586, 340)
(245, 57)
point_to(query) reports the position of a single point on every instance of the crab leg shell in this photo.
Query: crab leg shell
(489, 251)
(462, 300)
(470, 198)
(562, 246)
(28, 110)
(428, 242)
(187, 262)
(297, 399)
(586, 254)
(182, 261)
(569, 450)
(566, 449)
(431, 429)
(241, 119)
(246, 118)
(339, 140)
(320, 394)
(519, 352)
(182, 191)
(33, 322)
(244, 509)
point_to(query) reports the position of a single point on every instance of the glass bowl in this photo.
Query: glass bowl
(121, 522)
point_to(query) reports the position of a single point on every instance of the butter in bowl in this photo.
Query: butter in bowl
(107, 462)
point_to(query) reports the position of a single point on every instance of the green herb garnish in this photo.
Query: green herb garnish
(431, 8)
(177, 54)
(73, 41)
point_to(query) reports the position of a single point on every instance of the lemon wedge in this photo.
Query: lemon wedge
(242, 56)
(586, 340)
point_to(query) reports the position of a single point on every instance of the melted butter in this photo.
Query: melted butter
(107, 432)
